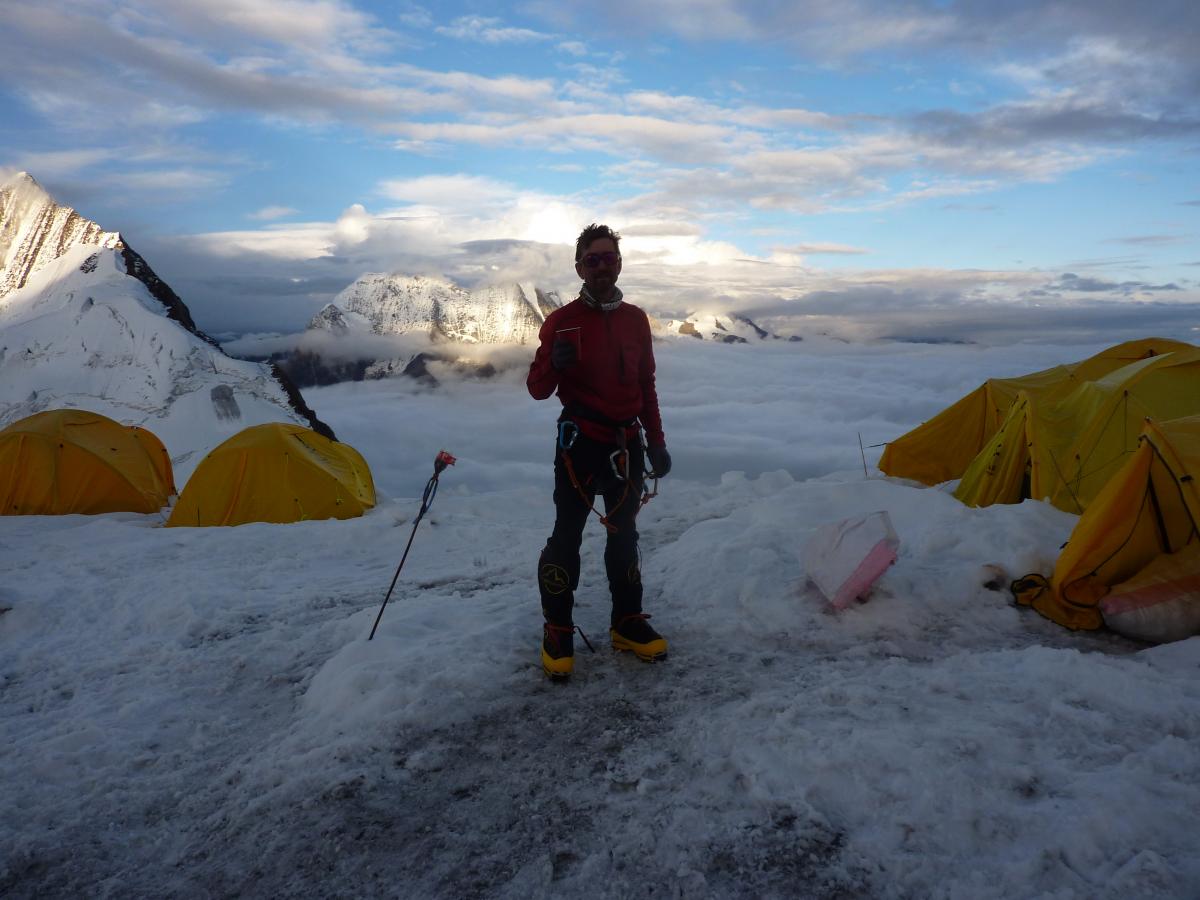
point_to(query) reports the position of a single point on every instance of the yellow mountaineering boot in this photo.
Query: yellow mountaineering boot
(634, 633)
(558, 649)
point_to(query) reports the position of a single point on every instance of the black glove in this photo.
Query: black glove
(660, 460)
(563, 355)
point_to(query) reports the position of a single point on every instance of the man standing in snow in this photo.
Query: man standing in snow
(596, 352)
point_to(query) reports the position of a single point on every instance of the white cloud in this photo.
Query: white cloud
(301, 241)
(448, 191)
(507, 90)
(353, 226)
(822, 248)
(56, 163)
(964, 88)
(302, 61)
(667, 164)
(415, 16)
(608, 133)
(476, 230)
(326, 63)
(489, 31)
(662, 229)
(170, 181)
(1154, 240)
(473, 208)
(325, 30)
(268, 213)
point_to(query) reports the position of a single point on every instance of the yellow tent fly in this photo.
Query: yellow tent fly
(1139, 538)
(942, 448)
(275, 473)
(72, 461)
(1064, 447)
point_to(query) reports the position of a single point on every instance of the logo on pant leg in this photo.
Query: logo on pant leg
(554, 579)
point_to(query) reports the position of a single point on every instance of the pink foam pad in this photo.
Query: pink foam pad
(882, 555)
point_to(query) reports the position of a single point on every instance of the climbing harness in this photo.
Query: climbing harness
(618, 462)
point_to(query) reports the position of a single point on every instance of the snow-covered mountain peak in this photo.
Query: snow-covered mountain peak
(35, 231)
(85, 323)
(721, 327)
(398, 304)
(330, 318)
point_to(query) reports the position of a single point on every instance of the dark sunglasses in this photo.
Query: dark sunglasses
(609, 258)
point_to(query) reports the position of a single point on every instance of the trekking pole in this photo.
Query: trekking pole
(439, 465)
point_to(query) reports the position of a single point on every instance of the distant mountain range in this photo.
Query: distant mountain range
(728, 328)
(85, 323)
(402, 304)
(448, 317)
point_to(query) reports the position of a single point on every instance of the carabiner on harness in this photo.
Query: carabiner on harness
(618, 461)
(568, 432)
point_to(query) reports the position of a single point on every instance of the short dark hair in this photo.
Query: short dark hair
(595, 232)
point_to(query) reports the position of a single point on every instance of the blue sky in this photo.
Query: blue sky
(912, 157)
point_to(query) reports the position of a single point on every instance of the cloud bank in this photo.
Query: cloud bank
(1035, 93)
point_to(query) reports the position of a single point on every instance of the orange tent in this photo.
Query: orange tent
(72, 461)
(276, 473)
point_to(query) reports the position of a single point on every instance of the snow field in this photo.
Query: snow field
(198, 712)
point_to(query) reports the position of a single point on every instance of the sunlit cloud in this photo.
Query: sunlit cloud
(301, 241)
(463, 228)
(723, 187)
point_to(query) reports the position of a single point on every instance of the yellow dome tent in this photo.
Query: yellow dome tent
(1064, 447)
(67, 461)
(942, 448)
(275, 473)
(1138, 543)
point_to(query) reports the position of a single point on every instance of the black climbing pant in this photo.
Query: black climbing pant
(558, 567)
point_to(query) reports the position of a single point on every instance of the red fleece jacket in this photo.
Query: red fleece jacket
(615, 372)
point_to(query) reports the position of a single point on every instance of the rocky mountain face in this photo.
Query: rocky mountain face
(399, 304)
(86, 323)
(35, 231)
